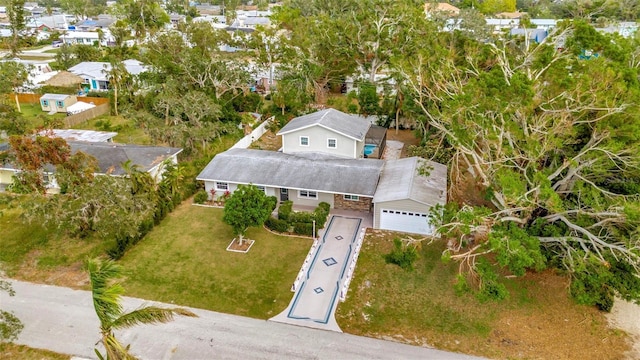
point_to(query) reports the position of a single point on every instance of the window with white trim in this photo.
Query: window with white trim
(222, 186)
(304, 141)
(307, 194)
(332, 143)
(351, 197)
(262, 188)
(45, 102)
(60, 104)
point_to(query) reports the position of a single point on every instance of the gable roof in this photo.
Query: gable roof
(111, 156)
(350, 126)
(276, 169)
(55, 97)
(100, 70)
(441, 7)
(401, 180)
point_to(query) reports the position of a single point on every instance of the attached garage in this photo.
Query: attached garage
(406, 221)
(405, 195)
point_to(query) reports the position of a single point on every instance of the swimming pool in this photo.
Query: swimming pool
(369, 148)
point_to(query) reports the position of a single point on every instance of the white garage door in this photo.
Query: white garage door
(405, 221)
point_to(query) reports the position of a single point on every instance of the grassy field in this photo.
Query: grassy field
(36, 117)
(184, 260)
(34, 253)
(128, 133)
(13, 351)
(421, 307)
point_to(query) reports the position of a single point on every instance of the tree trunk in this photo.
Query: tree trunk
(17, 103)
(240, 239)
(115, 100)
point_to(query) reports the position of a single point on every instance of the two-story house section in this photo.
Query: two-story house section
(328, 132)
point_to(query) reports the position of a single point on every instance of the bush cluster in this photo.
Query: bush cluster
(201, 197)
(403, 256)
(300, 223)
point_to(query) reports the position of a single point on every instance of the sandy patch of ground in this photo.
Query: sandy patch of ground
(626, 316)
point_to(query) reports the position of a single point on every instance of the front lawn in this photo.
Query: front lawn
(184, 261)
(421, 307)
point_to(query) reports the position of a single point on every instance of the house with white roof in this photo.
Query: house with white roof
(87, 38)
(323, 160)
(96, 74)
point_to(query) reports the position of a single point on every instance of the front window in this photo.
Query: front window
(222, 186)
(304, 141)
(262, 188)
(352, 197)
(332, 143)
(45, 102)
(60, 104)
(308, 194)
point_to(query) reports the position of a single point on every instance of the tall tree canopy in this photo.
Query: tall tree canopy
(550, 143)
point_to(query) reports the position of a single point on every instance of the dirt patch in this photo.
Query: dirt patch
(72, 276)
(268, 141)
(408, 137)
(554, 327)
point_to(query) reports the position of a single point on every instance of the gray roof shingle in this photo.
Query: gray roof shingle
(276, 169)
(111, 156)
(332, 119)
(400, 180)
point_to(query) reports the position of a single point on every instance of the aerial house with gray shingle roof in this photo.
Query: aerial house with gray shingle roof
(322, 160)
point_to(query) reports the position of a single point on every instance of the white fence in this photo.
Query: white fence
(246, 141)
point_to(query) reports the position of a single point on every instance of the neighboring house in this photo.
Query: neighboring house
(39, 71)
(80, 135)
(430, 8)
(96, 74)
(54, 103)
(110, 159)
(101, 22)
(58, 22)
(310, 170)
(328, 132)
(87, 38)
(537, 35)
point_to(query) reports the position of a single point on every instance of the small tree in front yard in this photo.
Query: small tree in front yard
(247, 206)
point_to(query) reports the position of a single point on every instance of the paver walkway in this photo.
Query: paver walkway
(63, 320)
(315, 300)
(392, 150)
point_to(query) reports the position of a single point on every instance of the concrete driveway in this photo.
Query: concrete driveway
(316, 298)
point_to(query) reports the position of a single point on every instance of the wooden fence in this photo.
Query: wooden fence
(35, 98)
(79, 118)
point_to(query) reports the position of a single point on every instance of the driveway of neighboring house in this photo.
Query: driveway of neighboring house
(317, 294)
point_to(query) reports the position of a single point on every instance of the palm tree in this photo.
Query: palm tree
(107, 294)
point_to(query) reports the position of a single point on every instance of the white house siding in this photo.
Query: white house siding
(402, 205)
(326, 197)
(318, 136)
(157, 171)
(6, 178)
(208, 185)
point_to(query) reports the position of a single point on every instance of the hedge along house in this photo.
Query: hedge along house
(57, 103)
(397, 191)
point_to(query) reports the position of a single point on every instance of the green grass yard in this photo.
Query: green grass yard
(421, 307)
(184, 261)
(128, 132)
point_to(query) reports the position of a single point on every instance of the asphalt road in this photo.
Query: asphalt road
(63, 320)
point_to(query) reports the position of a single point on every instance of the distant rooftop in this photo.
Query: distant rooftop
(81, 135)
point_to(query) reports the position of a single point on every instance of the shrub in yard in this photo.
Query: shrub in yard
(201, 197)
(273, 201)
(301, 217)
(402, 255)
(303, 229)
(277, 224)
(285, 210)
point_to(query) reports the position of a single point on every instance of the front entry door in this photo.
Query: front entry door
(284, 194)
